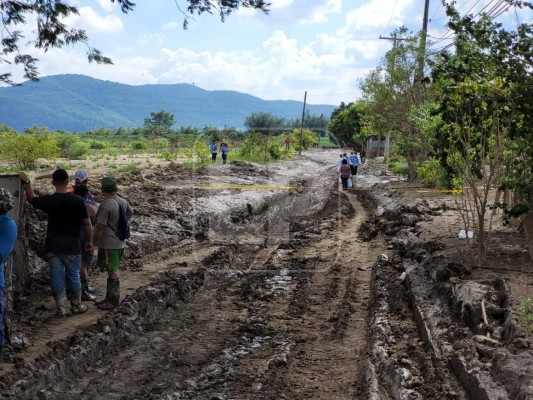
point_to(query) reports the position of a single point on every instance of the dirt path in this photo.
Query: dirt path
(273, 319)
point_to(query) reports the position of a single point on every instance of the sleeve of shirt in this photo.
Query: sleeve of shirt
(9, 236)
(37, 202)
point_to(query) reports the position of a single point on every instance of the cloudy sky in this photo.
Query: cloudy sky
(320, 46)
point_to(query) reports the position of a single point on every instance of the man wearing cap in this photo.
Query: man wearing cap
(8, 237)
(66, 215)
(81, 177)
(110, 247)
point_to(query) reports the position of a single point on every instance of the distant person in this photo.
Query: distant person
(362, 155)
(224, 149)
(110, 247)
(214, 149)
(8, 237)
(66, 216)
(81, 177)
(345, 174)
(354, 163)
(339, 161)
(87, 293)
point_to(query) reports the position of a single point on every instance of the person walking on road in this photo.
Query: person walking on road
(66, 216)
(213, 147)
(345, 173)
(354, 162)
(8, 237)
(224, 149)
(110, 247)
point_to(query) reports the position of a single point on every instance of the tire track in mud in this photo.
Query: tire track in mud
(280, 320)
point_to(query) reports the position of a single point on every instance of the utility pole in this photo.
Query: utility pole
(423, 38)
(302, 126)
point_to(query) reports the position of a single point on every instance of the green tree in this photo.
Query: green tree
(24, 150)
(486, 112)
(393, 92)
(159, 122)
(49, 30)
(346, 125)
(303, 138)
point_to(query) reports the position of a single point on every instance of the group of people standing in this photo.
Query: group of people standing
(76, 227)
(224, 149)
(348, 166)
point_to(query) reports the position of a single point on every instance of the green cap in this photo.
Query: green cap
(109, 184)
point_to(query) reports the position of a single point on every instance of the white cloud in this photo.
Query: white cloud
(277, 5)
(107, 5)
(170, 26)
(376, 14)
(319, 13)
(92, 22)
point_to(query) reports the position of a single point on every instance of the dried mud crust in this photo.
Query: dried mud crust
(429, 338)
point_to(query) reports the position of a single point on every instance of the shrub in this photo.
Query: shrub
(139, 145)
(275, 151)
(202, 151)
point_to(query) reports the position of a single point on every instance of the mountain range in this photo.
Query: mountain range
(78, 103)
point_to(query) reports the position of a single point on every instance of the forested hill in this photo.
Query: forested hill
(78, 103)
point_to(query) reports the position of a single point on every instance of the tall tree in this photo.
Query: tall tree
(394, 92)
(159, 122)
(50, 32)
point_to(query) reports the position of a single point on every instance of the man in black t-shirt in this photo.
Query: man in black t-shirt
(66, 215)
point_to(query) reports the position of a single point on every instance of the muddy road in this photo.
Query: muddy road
(248, 282)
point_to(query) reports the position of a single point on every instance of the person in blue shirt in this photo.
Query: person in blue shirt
(224, 149)
(8, 237)
(354, 162)
(213, 147)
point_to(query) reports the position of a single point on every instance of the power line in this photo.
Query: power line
(392, 15)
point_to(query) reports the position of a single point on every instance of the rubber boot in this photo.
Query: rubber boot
(113, 287)
(61, 304)
(75, 303)
(106, 294)
(86, 293)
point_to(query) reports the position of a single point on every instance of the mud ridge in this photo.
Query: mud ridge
(467, 358)
(71, 358)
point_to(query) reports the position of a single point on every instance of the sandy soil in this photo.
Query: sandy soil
(252, 282)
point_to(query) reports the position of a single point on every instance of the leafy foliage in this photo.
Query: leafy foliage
(24, 150)
(346, 126)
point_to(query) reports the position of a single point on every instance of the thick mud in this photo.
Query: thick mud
(248, 282)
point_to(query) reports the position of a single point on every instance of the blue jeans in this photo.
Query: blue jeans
(2, 310)
(64, 272)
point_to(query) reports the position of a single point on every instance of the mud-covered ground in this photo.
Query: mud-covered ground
(253, 282)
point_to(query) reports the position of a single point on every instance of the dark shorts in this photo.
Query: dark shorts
(354, 169)
(213, 156)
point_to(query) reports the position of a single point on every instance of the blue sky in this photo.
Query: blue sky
(320, 46)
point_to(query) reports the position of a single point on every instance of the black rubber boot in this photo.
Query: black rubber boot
(86, 294)
(113, 288)
(75, 303)
(106, 295)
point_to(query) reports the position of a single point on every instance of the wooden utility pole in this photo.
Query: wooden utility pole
(423, 38)
(302, 126)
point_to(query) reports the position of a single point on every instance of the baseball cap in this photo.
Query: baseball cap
(109, 184)
(6, 200)
(60, 175)
(81, 175)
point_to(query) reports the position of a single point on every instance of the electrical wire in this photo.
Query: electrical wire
(392, 15)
